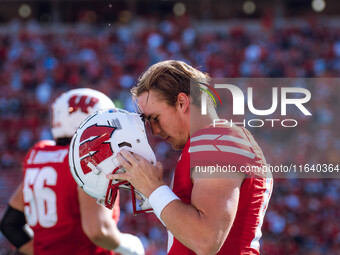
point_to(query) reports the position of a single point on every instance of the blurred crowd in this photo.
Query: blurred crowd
(36, 65)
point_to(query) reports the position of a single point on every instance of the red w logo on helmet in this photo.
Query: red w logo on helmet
(94, 146)
(82, 102)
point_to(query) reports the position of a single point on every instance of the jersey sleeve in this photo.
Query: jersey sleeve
(225, 148)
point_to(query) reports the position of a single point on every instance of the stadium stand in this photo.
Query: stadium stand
(37, 64)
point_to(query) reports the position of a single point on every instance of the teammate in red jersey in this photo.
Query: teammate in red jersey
(63, 218)
(202, 215)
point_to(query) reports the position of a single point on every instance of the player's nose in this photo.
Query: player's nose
(155, 128)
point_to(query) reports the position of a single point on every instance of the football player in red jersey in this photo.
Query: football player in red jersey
(63, 218)
(202, 215)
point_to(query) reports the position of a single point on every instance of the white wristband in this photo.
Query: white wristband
(160, 198)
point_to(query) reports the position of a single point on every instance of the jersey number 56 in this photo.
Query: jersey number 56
(40, 201)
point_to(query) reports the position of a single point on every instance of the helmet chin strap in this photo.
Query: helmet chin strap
(144, 203)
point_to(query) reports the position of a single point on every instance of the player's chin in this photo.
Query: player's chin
(177, 146)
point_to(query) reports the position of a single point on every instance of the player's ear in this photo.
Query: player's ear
(183, 102)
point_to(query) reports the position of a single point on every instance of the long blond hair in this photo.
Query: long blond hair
(169, 78)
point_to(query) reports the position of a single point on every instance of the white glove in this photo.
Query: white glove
(130, 245)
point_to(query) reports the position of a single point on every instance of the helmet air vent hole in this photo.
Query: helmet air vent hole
(124, 144)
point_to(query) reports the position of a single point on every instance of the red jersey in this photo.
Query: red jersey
(236, 147)
(51, 203)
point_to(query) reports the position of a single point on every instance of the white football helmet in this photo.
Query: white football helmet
(94, 149)
(72, 107)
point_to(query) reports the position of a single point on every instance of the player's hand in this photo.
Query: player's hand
(143, 175)
(130, 245)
